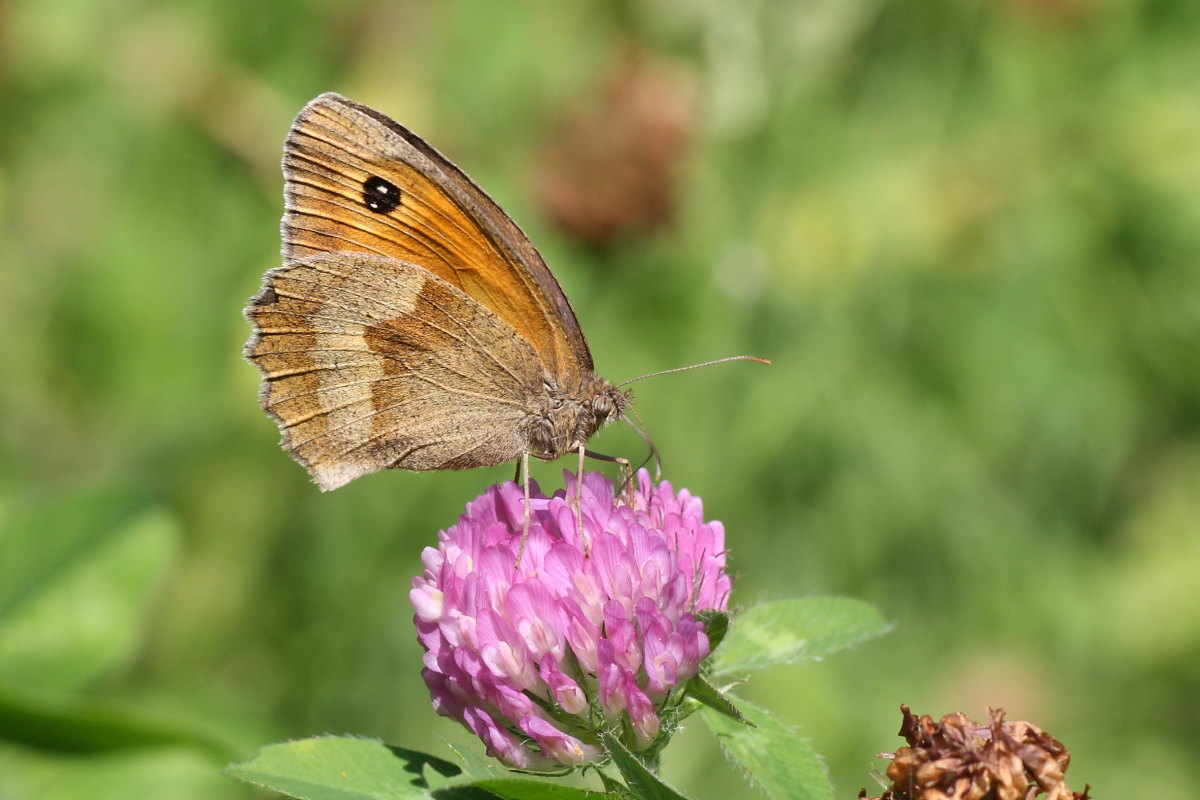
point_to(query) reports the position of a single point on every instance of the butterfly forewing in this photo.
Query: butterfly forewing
(357, 181)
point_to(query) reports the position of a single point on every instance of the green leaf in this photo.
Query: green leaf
(475, 765)
(641, 781)
(771, 754)
(524, 789)
(349, 768)
(76, 585)
(342, 768)
(701, 688)
(612, 785)
(41, 541)
(161, 773)
(52, 722)
(787, 631)
(716, 625)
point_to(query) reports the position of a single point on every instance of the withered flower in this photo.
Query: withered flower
(612, 167)
(959, 759)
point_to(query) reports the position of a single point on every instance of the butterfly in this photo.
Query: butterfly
(412, 324)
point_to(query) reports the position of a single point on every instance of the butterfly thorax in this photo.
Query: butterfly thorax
(564, 417)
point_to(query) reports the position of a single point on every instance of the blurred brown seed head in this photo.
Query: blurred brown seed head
(959, 759)
(611, 168)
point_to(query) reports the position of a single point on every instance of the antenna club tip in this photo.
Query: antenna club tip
(757, 359)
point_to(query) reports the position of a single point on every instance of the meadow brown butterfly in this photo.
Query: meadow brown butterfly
(412, 323)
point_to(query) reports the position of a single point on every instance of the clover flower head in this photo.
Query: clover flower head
(537, 656)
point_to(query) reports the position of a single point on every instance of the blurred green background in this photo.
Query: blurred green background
(966, 233)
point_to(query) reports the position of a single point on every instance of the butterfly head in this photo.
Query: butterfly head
(566, 417)
(609, 403)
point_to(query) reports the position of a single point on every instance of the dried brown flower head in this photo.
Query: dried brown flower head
(611, 168)
(959, 759)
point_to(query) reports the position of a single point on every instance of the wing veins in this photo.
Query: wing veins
(278, 376)
(474, 228)
(422, 231)
(377, 412)
(458, 338)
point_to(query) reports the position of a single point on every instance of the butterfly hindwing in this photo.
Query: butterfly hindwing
(370, 362)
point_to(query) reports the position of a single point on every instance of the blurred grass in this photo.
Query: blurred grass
(967, 234)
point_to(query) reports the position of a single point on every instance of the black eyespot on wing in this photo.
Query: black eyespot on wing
(380, 196)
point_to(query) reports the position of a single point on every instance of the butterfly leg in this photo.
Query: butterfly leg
(626, 470)
(636, 423)
(623, 466)
(575, 502)
(523, 473)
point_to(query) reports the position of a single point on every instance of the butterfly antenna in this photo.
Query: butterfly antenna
(694, 366)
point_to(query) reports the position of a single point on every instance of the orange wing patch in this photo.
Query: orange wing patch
(354, 184)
